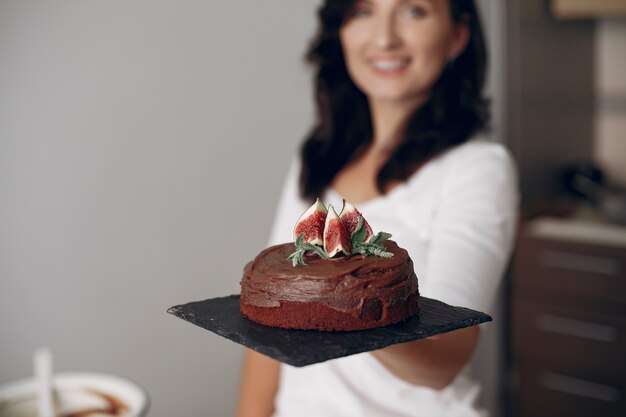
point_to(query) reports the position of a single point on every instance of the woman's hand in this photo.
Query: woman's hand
(433, 362)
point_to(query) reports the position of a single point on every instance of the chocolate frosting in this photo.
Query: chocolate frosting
(342, 283)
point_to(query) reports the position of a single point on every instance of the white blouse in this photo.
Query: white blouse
(456, 217)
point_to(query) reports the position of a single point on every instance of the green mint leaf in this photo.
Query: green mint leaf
(381, 252)
(297, 258)
(303, 246)
(319, 251)
(359, 234)
(379, 238)
(369, 249)
(299, 240)
(360, 249)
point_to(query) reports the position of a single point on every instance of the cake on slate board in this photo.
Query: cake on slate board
(337, 275)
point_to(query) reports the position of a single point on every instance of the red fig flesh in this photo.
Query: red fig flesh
(336, 236)
(350, 217)
(311, 223)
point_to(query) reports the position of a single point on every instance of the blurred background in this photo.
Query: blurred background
(142, 150)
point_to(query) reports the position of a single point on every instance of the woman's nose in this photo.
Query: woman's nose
(386, 35)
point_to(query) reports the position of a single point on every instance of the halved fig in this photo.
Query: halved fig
(350, 217)
(336, 236)
(311, 223)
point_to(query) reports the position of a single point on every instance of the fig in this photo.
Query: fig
(350, 217)
(336, 236)
(311, 223)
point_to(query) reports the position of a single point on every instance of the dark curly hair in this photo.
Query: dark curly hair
(455, 111)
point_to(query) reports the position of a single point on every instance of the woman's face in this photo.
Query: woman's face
(395, 50)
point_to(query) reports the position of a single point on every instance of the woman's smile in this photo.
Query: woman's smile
(387, 66)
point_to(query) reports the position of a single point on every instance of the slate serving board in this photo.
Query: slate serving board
(305, 347)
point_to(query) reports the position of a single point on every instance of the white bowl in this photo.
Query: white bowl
(78, 391)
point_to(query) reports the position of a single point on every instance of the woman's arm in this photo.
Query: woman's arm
(471, 242)
(433, 362)
(259, 384)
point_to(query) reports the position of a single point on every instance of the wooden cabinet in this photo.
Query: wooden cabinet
(568, 328)
(585, 9)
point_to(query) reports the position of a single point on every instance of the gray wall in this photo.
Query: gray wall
(142, 149)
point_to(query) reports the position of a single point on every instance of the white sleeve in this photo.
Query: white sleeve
(474, 229)
(290, 207)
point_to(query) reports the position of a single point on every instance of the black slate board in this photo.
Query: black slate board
(306, 347)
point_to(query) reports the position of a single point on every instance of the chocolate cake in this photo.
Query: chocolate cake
(351, 292)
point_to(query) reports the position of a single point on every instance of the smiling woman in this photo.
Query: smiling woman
(404, 78)
(400, 108)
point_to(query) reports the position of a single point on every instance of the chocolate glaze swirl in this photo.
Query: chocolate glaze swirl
(342, 283)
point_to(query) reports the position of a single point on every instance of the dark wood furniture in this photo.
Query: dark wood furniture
(568, 327)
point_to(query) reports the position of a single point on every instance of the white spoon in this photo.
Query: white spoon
(43, 379)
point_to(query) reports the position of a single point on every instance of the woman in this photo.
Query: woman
(399, 114)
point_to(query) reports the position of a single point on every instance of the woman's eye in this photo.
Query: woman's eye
(414, 11)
